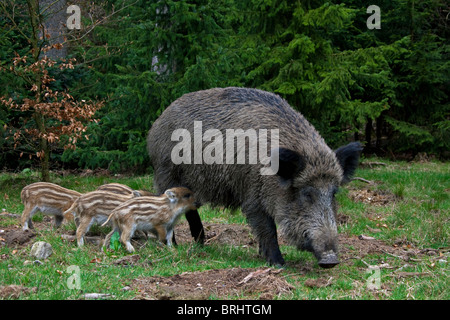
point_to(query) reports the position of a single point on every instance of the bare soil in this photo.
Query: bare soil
(219, 283)
(253, 283)
(260, 283)
(372, 197)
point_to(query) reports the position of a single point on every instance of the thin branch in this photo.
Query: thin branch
(363, 180)
(49, 6)
(5, 11)
(99, 22)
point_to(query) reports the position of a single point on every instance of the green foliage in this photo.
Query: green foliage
(412, 224)
(349, 81)
(115, 244)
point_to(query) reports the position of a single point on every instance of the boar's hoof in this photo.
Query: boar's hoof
(328, 261)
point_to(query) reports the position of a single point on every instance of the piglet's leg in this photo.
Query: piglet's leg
(27, 214)
(127, 233)
(169, 236)
(83, 227)
(162, 235)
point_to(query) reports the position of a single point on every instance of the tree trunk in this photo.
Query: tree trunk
(45, 172)
(54, 20)
(33, 11)
(379, 131)
(368, 133)
(44, 148)
(54, 26)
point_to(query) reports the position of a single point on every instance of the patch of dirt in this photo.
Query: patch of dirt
(14, 291)
(318, 283)
(13, 235)
(261, 283)
(218, 283)
(127, 260)
(352, 247)
(372, 197)
(232, 234)
(16, 237)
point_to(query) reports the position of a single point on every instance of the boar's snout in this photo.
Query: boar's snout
(328, 260)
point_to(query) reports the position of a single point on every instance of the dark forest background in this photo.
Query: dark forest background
(387, 87)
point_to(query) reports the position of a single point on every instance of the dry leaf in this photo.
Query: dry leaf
(96, 260)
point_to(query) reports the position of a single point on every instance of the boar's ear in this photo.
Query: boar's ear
(289, 165)
(348, 157)
(171, 195)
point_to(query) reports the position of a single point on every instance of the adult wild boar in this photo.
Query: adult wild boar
(299, 198)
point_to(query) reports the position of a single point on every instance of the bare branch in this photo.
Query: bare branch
(95, 24)
(11, 18)
(49, 6)
(363, 180)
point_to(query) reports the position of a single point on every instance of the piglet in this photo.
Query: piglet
(157, 214)
(48, 198)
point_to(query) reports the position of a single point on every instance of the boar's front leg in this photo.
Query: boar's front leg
(196, 226)
(264, 228)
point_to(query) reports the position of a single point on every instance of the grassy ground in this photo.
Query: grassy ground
(405, 206)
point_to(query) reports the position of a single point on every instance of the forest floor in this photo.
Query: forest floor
(393, 241)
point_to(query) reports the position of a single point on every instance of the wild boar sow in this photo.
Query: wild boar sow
(218, 143)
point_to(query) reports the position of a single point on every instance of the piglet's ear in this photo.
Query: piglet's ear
(136, 193)
(171, 195)
(348, 157)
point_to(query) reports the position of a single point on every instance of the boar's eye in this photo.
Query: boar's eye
(187, 196)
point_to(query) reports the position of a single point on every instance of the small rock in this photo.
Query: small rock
(41, 250)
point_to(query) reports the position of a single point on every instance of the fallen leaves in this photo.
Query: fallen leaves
(372, 197)
(96, 260)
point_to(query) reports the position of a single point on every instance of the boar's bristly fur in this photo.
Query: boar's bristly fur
(299, 198)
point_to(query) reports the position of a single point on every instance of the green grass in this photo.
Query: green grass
(416, 217)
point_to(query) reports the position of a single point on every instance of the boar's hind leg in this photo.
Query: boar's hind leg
(265, 230)
(196, 226)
